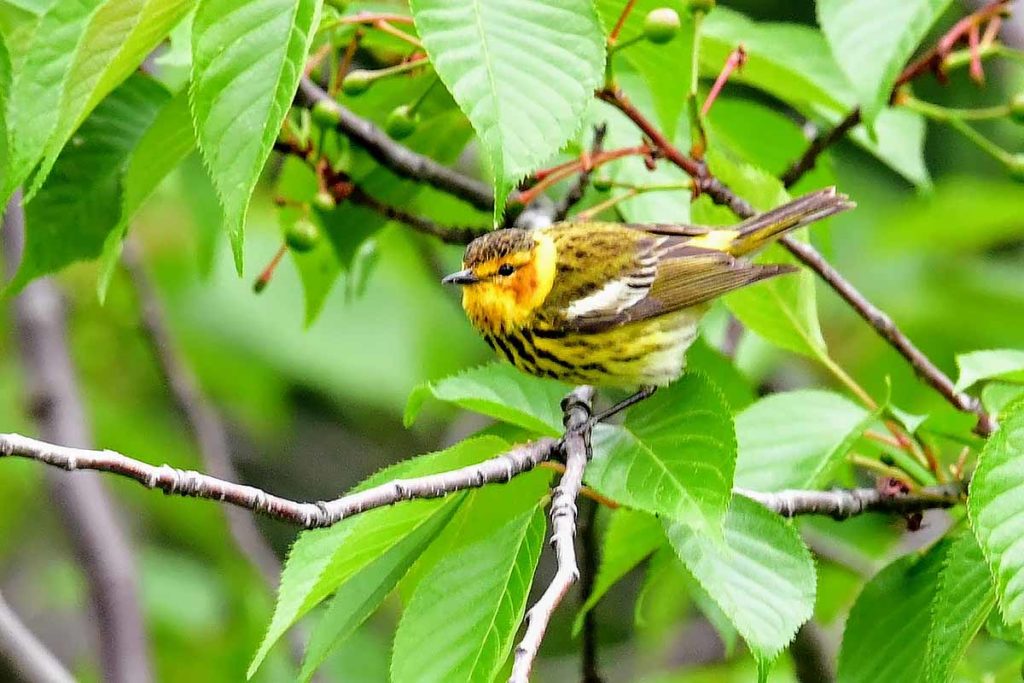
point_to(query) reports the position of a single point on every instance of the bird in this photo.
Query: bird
(616, 304)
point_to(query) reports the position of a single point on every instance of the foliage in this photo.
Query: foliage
(183, 121)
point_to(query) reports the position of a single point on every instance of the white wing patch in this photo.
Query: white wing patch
(615, 297)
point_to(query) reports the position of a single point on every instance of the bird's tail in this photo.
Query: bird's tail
(759, 231)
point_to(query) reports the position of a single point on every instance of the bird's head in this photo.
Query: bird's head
(505, 276)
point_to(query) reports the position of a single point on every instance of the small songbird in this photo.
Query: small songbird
(613, 304)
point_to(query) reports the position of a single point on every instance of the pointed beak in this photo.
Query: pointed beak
(462, 277)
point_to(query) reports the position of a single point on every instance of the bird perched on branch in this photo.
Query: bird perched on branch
(614, 304)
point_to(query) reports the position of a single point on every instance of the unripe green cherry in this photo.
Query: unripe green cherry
(356, 82)
(401, 122)
(602, 183)
(302, 235)
(325, 114)
(661, 25)
(1017, 108)
(324, 201)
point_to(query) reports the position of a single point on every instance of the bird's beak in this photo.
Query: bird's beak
(462, 277)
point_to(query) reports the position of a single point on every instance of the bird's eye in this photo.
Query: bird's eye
(505, 269)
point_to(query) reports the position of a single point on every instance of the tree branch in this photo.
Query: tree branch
(90, 517)
(445, 233)
(193, 484)
(397, 157)
(563, 530)
(707, 183)
(841, 503)
(845, 503)
(24, 655)
(818, 145)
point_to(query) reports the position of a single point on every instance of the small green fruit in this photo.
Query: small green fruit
(1016, 167)
(661, 25)
(602, 183)
(1017, 108)
(325, 114)
(302, 236)
(401, 122)
(324, 201)
(701, 6)
(357, 82)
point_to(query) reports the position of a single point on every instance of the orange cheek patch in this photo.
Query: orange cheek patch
(524, 285)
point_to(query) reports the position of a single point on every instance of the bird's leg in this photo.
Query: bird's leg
(643, 393)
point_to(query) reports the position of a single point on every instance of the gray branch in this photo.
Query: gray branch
(563, 531)
(840, 503)
(193, 484)
(24, 655)
(846, 503)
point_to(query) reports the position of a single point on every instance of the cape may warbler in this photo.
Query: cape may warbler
(613, 304)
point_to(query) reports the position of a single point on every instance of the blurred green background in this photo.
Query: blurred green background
(313, 410)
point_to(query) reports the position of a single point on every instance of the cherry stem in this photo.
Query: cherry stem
(737, 58)
(617, 29)
(264, 279)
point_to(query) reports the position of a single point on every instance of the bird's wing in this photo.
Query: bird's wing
(665, 275)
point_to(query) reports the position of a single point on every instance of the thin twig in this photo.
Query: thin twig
(24, 655)
(846, 503)
(89, 515)
(399, 158)
(445, 233)
(819, 144)
(576, 447)
(579, 187)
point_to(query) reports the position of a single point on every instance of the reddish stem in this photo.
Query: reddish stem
(973, 37)
(737, 58)
(264, 279)
(374, 17)
(549, 176)
(617, 29)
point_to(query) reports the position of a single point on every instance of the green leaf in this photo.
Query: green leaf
(962, 603)
(34, 103)
(1002, 364)
(469, 606)
(321, 561)
(667, 69)
(247, 58)
(631, 536)
(500, 391)
(360, 596)
(164, 145)
(872, 40)
(117, 39)
(492, 53)
(794, 439)
(762, 576)
(996, 509)
(674, 456)
(86, 182)
(704, 358)
(886, 635)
